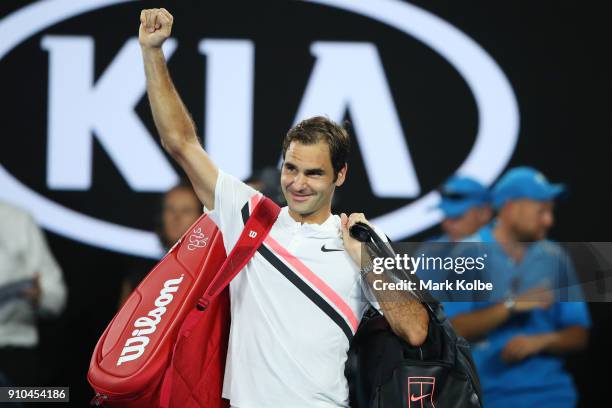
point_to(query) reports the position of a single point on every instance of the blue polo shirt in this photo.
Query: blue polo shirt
(439, 238)
(539, 380)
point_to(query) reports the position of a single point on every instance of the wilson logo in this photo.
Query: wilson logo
(146, 325)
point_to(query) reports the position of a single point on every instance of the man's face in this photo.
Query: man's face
(530, 220)
(181, 209)
(307, 179)
(471, 221)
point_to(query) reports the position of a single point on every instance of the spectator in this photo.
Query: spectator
(466, 207)
(518, 342)
(180, 208)
(31, 285)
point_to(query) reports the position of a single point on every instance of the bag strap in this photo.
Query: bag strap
(256, 229)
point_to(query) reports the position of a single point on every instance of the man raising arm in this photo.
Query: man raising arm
(172, 120)
(295, 306)
(178, 137)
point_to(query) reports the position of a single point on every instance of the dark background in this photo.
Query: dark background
(556, 55)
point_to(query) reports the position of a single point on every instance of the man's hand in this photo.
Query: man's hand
(34, 292)
(155, 27)
(536, 298)
(351, 245)
(521, 347)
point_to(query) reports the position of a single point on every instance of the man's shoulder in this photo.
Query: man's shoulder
(232, 192)
(14, 214)
(550, 247)
(233, 182)
(484, 234)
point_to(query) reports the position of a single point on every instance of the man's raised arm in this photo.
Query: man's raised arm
(174, 124)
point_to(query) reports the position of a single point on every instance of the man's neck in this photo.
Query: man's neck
(318, 217)
(509, 241)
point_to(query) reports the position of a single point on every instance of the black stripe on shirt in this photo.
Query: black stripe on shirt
(306, 290)
(245, 213)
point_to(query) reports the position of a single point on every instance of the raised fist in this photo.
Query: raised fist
(155, 27)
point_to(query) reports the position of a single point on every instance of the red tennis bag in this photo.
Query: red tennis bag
(166, 347)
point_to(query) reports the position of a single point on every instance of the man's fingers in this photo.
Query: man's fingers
(166, 14)
(155, 19)
(344, 225)
(509, 353)
(149, 21)
(343, 219)
(355, 218)
(540, 295)
(163, 22)
(156, 23)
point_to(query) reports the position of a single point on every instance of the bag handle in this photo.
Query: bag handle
(366, 234)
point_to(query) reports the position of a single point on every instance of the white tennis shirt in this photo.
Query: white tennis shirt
(284, 349)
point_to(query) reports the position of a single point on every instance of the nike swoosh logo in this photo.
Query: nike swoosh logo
(413, 399)
(330, 249)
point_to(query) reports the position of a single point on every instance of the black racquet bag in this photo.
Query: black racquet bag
(384, 371)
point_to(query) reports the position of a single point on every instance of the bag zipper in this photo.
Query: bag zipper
(98, 399)
(423, 363)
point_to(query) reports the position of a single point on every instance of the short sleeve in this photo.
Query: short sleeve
(573, 314)
(231, 195)
(570, 288)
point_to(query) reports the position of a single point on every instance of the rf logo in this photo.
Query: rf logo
(420, 392)
(252, 234)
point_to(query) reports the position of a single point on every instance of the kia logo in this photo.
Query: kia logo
(81, 109)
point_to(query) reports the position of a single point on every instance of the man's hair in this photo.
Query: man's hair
(313, 130)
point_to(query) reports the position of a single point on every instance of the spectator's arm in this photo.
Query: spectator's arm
(52, 298)
(477, 324)
(474, 325)
(572, 338)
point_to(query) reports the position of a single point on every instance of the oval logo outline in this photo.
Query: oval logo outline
(496, 103)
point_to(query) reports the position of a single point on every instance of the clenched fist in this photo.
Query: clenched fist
(155, 27)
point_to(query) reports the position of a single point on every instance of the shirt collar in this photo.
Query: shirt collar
(330, 227)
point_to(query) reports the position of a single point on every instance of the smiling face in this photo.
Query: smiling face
(308, 181)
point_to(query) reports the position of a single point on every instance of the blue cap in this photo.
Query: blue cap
(460, 194)
(524, 182)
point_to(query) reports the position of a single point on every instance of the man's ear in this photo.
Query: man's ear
(486, 214)
(507, 209)
(341, 175)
